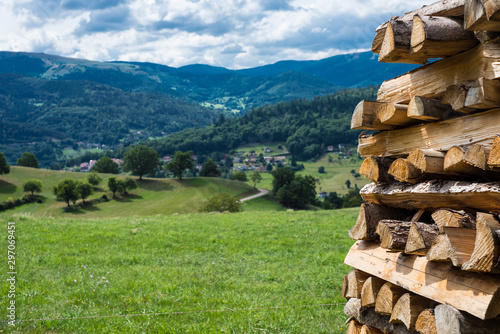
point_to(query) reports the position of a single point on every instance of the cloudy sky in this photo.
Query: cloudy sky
(229, 33)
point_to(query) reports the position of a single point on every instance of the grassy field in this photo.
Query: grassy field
(243, 265)
(154, 196)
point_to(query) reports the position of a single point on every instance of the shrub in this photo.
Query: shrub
(94, 179)
(239, 176)
(221, 203)
(321, 170)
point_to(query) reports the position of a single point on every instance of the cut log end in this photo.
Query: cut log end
(402, 170)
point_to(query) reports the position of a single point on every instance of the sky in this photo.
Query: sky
(229, 33)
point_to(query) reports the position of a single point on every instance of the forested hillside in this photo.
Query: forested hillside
(306, 126)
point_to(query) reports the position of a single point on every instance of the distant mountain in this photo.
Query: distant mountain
(214, 87)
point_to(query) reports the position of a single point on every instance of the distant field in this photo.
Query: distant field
(244, 265)
(154, 196)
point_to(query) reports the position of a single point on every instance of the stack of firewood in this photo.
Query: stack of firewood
(427, 258)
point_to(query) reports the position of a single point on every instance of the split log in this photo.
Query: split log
(370, 330)
(433, 79)
(455, 96)
(370, 290)
(449, 320)
(426, 322)
(439, 37)
(440, 136)
(427, 161)
(369, 317)
(354, 327)
(477, 156)
(431, 110)
(483, 94)
(486, 252)
(455, 161)
(472, 161)
(376, 169)
(387, 298)
(435, 194)
(492, 9)
(393, 234)
(395, 114)
(369, 217)
(494, 158)
(365, 117)
(352, 286)
(408, 308)
(476, 18)
(420, 238)
(379, 38)
(402, 170)
(396, 45)
(467, 291)
(455, 244)
(454, 218)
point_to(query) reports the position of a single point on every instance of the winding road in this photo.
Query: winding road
(262, 192)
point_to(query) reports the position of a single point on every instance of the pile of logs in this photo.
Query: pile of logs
(427, 255)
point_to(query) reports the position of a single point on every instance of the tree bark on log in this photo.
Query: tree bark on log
(393, 234)
(364, 117)
(483, 94)
(455, 245)
(486, 252)
(370, 290)
(426, 322)
(352, 308)
(402, 170)
(478, 128)
(430, 110)
(449, 320)
(476, 18)
(420, 238)
(376, 169)
(369, 217)
(475, 293)
(456, 195)
(433, 79)
(387, 298)
(439, 37)
(408, 308)
(454, 218)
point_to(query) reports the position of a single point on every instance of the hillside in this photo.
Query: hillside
(306, 127)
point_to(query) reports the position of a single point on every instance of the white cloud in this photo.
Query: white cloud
(229, 33)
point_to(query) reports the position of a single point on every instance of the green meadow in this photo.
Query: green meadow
(264, 272)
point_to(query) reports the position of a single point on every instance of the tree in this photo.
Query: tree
(353, 171)
(113, 185)
(66, 190)
(28, 159)
(269, 168)
(210, 169)
(282, 177)
(256, 178)
(4, 166)
(84, 189)
(239, 176)
(94, 179)
(321, 169)
(106, 165)
(221, 203)
(32, 186)
(123, 186)
(180, 163)
(334, 200)
(141, 160)
(299, 193)
(348, 184)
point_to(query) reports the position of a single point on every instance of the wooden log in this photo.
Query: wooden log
(426, 322)
(396, 45)
(402, 170)
(354, 284)
(370, 330)
(455, 244)
(455, 161)
(486, 252)
(433, 79)
(370, 290)
(483, 94)
(494, 157)
(354, 327)
(475, 17)
(369, 217)
(492, 9)
(449, 320)
(477, 156)
(379, 38)
(439, 37)
(472, 161)
(387, 297)
(454, 218)
(352, 308)
(435, 194)
(408, 308)
(421, 238)
(478, 128)
(395, 114)
(456, 95)
(430, 110)
(365, 117)
(393, 234)
(471, 292)
(376, 169)
(427, 161)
